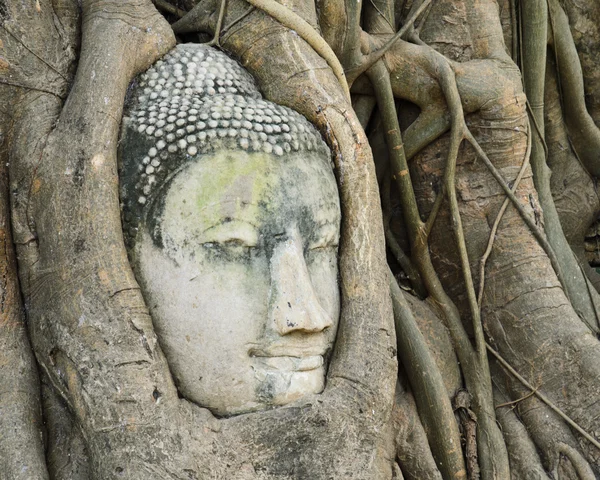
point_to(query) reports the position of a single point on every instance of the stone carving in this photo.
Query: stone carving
(231, 217)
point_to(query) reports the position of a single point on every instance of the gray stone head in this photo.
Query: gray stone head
(231, 218)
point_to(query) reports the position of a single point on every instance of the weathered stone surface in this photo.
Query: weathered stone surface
(232, 218)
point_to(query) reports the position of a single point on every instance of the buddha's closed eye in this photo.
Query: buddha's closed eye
(231, 234)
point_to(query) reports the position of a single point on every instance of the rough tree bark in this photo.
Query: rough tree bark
(451, 103)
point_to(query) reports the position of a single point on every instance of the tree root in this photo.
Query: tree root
(85, 132)
(21, 448)
(427, 383)
(457, 135)
(428, 127)
(581, 466)
(525, 463)
(294, 22)
(447, 457)
(66, 453)
(448, 190)
(473, 361)
(363, 106)
(489, 438)
(412, 450)
(374, 57)
(534, 68)
(168, 8)
(490, 244)
(533, 431)
(582, 128)
(544, 399)
(217, 35)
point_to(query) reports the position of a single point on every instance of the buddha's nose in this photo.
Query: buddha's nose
(293, 304)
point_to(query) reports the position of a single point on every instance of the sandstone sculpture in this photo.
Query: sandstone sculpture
(232, 217)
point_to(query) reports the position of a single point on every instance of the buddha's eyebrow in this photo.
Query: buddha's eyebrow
(228, 200)
(229, 219)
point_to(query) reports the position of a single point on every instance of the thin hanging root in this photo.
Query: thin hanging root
(404, 261)
(293, 21)
(503, 208)
(423, 19)
(457, 136)
(543, 398)
(215, 40)
(513, 403)
(434, 212)
(458, 133)
(537, 129)
(493, 458)
(373, 57)
(537, 233)
(414, 30)
(448, 85)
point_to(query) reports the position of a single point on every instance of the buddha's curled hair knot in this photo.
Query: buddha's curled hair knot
(194, 101)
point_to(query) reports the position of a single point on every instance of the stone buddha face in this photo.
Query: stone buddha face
(235, 249)
(244, 291)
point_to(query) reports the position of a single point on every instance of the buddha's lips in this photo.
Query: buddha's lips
(285, 349)
(291, 363)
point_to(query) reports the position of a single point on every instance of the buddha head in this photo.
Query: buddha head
(231, 217)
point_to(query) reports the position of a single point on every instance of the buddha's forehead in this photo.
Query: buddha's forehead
(267, 192)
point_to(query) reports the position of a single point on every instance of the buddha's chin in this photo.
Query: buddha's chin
(300, 384)
(274, 388)
(281, 387)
